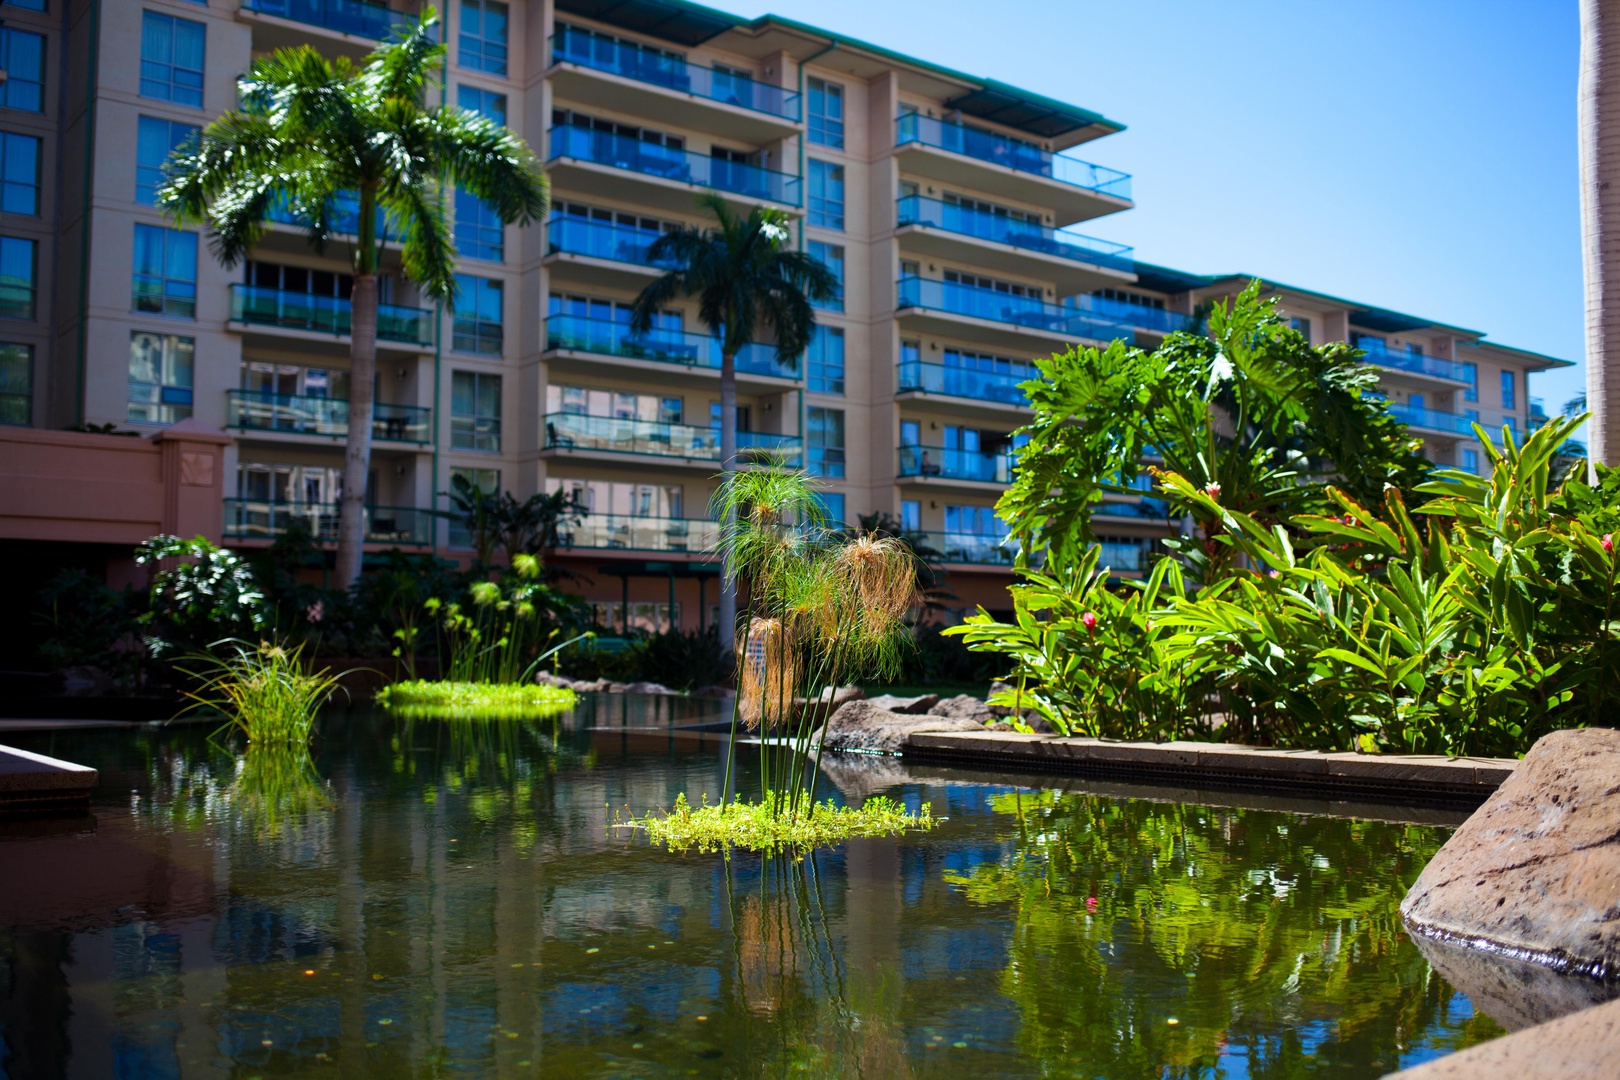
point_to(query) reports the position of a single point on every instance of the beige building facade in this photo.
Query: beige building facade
(959, 212)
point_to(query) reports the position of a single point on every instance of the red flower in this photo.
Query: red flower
(1212, 489)
(1608, 543)
(1089, 621)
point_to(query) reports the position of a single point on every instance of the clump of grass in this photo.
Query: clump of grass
(421, 699)
(263, 689)
(763, 827)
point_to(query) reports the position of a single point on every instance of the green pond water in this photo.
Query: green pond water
(434, 899)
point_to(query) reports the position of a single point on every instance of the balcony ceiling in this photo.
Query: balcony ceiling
(1026, 112)
(684, 24)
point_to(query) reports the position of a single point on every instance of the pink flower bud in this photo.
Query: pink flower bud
(1089, 621)
(1273, 573)
(1212, 489)
(1608, 543)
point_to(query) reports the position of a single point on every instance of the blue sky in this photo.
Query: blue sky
(1416, 155)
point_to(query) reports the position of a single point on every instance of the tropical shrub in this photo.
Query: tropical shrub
(208, 595)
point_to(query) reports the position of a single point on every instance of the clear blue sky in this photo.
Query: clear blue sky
(1415, 154)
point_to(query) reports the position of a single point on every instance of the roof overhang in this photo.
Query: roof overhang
(670, 20)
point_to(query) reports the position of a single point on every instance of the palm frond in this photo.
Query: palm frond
(487, 160)
(404, 67)
(429, 253)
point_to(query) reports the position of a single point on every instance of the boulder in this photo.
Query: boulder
(963, 707)
(1535, 872)
(890, 703)
(1582, 1046)
(714, 690)
(862, 725)
(546, 678)
(647, 688)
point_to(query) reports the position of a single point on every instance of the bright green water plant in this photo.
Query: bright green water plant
(265, 690)
(761, 827)
(449, 699)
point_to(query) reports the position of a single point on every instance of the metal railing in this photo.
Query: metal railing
(1134, 315)
(954, 547)
(1033, 236)
(1381, 355)
(962, 382)
(927, 461)
(572, 431)
(599, 52)
(604, 337)
(602, 240)
(346, 16)
(253, 410)
(651, 159)
(629, 533)
(325, 314)
(958, 299)
(1013, 153)
(1432, 419)
(249, 519)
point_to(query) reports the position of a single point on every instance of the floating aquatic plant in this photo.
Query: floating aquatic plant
(762, 827)
(421, 699)
(264, 690)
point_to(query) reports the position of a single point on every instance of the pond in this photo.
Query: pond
(449, 899)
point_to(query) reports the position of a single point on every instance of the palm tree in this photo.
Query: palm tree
(311, 132)
(1598, 99)
(744, 280)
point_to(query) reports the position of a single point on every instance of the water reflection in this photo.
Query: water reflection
(455, 902)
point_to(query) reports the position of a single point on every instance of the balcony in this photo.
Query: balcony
(604, 241)
(345, 217)
(621, 532)
(292, 414)
(396, 526)
(678, 173)
(650, 83)
(603, 337)
(1074, 190)
(991, 387)
(938, 463)
(1024, 317)
(257, 306)
(1138, 316)
(1073, 261)
(969, 548)
(355, 17)
(683, 442)
(1413, 363)
(1432, 420)
(1140, 510)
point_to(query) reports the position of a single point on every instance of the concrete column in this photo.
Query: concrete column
(193, 471)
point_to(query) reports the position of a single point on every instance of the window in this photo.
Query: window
(1303, 325)
(160, 368)
(826, 195)
(16, 383)
(1471, 373)
(26, 5)
(832, 504)
(165, 272)
(172, 53)
(974, 521)
(475, 411)
(833, 257)
(478, 316)
(19, 173)
(826, 441)
(654, 618)
(486, 103)
(620, 405)
(483, 36)
(22, 58)
(1509, 391)
(18, 288)
(1470, 460)
(910, 516)
(826, 113)
(825, 358)
(155, 140)
(486, 480)
(480, 234)
(624, 498)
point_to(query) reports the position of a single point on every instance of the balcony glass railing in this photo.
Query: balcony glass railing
(607, 338)
(249, 519)
(345, 216)
(1013, 153)
(958, 299)
(1381, 355)
(602, 240)
(571, 431)
(984, 225)
(955, 464)
(1432, 419)
(623, 532)
(325, 314)
(1144, 508)
(570, 44)
(973, 548)
(252, 410)
(651, 159)
(991, 386)
(1134, 315)
(347, 16)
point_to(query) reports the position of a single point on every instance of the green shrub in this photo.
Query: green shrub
(263, 690)
(208, 595)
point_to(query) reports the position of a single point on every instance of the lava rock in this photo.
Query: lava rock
(963, 707)
(862, 725)
(1515, 993)
(890, 703)
(1535, 872)
(648, 688)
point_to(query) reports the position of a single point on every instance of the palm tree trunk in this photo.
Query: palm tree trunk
(357, 454)
(728, 467)
(1599, 108)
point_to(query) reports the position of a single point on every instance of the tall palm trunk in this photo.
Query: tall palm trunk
(728, 466)
(1599, 109)
(357, 454)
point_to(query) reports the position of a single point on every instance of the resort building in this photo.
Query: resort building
(959, 212)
